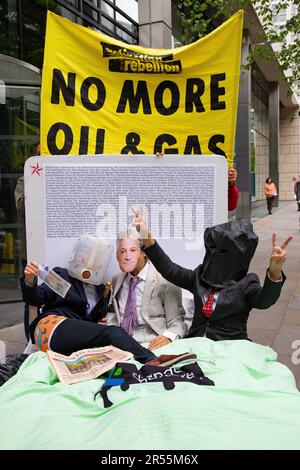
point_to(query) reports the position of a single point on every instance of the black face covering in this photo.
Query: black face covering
(229, 250)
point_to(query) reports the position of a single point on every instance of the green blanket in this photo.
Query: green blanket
(253, 405)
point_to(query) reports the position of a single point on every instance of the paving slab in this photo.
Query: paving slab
(281, 331)
(287, 336)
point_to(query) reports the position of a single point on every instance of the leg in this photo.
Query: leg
(72, 335)
(271, 204)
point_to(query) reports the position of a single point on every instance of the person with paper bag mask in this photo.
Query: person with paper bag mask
(224, 293)
(71, 323)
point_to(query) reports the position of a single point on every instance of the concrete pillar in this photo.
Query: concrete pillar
(242, 141)
(155, 23)
(274, 117)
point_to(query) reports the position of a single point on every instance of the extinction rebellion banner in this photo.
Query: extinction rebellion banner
(102, 96)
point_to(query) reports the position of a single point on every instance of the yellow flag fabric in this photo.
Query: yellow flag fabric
(100, 95)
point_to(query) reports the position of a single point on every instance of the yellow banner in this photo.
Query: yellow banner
(100, 95)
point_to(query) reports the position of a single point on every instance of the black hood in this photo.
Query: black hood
(229, 250)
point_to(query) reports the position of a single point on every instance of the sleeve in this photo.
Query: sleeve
(174, 313)
(19, 197)
(37, 295)
(233, 196)
(173, 273)
(262, 297)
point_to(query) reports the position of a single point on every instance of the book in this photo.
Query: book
(86, 364)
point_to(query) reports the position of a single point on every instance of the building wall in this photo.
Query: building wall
(261, 145)
(289, 158)
(22, 31)
(23, 23)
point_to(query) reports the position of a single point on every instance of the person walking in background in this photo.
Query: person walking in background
(297, 192)
(270, 192)
(224, 291)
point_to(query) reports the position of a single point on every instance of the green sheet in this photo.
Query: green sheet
(253, 405)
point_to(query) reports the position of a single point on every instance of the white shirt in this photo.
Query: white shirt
(91, 296)
(122, 296)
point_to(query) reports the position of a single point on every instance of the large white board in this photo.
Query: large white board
(66, 196)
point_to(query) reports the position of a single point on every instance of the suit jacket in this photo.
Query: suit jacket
(161, 307)
(74, 304)
(229, 319)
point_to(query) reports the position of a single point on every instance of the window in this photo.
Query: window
(130, 7)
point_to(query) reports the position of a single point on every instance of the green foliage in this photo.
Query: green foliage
(198, 18)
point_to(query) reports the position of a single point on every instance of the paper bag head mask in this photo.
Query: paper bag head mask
(90, 260)
(229, 250)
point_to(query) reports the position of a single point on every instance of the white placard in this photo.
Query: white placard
(66, 196)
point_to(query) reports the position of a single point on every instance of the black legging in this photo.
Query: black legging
(72, 335)
(270, 204)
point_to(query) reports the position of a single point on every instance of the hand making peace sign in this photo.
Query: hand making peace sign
(278, 257)
(139, 221)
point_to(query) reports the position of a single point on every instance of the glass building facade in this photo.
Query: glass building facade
(22, 33)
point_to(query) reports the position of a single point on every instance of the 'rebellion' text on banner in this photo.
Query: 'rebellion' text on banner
(102, 96)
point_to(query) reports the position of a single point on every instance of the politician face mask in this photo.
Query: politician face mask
(90, 260)
(229, 250)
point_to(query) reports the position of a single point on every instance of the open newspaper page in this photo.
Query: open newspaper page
(86, 364)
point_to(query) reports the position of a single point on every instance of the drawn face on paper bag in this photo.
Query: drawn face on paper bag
(229, 250)
(90, 260)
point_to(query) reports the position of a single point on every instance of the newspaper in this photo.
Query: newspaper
(86, 364)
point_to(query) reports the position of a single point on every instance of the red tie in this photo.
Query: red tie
(207, 308)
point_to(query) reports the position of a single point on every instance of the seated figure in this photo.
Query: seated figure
(68, 324)
(147, 306)
(224, 293)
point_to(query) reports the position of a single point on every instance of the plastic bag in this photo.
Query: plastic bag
(11, 366)
(90, 259)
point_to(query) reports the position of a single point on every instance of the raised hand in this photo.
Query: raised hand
(278, 257)
(232, 176)
(31, 271)
(139, 221)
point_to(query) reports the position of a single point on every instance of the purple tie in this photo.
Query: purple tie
(130, 321)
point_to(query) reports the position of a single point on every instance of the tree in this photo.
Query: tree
(199, 18)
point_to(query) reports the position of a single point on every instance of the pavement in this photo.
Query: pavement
(277, 327)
